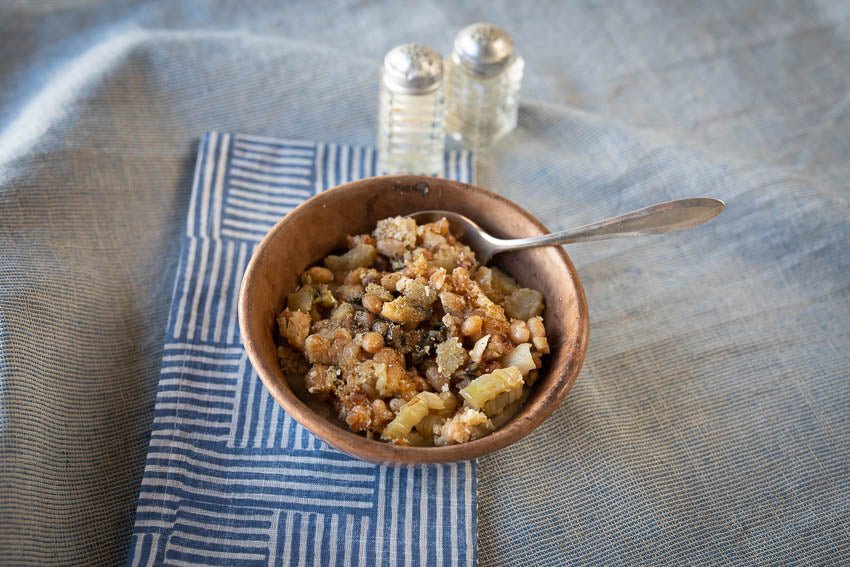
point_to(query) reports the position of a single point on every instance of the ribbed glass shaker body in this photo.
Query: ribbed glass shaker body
(484, 77)
(411, 113)
(411, 132)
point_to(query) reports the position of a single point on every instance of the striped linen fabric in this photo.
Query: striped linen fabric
(230, 478)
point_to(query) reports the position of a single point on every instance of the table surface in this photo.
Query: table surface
(710, 421)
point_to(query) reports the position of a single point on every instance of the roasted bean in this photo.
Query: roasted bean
(535, 325)
(472, 326)
(317, 350)
(372, 342)
(320, 275)
(372, 303)
(541, 344)
(519, 332)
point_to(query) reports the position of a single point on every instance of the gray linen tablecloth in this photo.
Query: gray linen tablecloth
(711, 422)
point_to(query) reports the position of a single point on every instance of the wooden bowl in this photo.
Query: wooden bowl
(319, 225)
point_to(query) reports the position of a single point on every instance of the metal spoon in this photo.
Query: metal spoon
(656, 219)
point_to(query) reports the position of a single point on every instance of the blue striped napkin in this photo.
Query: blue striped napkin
(230, 478)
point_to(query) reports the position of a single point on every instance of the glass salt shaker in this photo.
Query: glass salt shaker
(483, 81)
(411, 114)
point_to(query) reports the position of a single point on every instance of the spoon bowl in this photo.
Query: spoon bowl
(465, 229)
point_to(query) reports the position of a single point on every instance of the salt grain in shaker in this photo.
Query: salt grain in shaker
(411, 115)
(483, 81)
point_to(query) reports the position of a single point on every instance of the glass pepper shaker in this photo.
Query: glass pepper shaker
(483, 81)
(411, 114)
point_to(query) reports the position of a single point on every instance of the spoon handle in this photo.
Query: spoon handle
(655, 219)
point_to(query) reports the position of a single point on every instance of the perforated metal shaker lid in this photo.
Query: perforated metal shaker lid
(413, 68)
(483, 48)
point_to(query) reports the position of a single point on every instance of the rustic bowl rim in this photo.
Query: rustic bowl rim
(378, 451)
